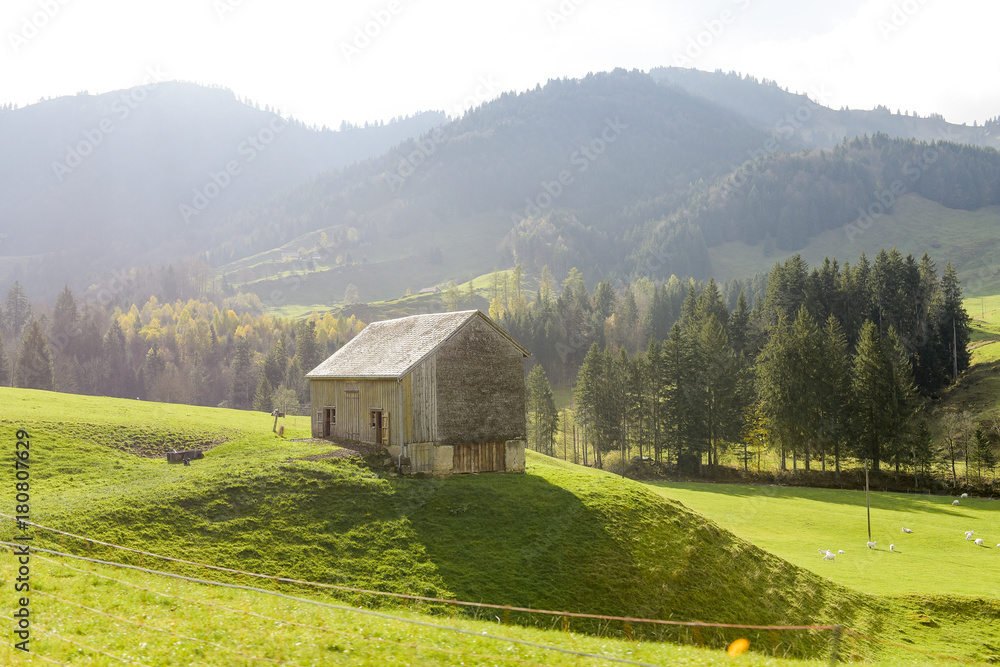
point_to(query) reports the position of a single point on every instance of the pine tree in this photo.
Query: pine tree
(6, 377)
(788, 383)
(307, 357)
(34, 362)
(65, 330)
(587, 394)
(834, 388)
(264, 396)
(542, 415)
(276, 363)
(954, 323)
(739, 321)
(117, 376)
(871, 393)
(17, 310)
(242, 380)
(902, 401)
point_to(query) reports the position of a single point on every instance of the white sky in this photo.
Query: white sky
(930, 56)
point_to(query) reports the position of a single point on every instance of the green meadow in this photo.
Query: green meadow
(560, 537)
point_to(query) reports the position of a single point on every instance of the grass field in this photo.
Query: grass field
(559, 537)
(793, 522)
(156, 620)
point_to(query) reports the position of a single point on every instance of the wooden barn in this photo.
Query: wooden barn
(444, 393)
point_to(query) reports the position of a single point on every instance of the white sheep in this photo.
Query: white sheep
(980, 542)
(892, 547)
(842, 551)
(968, 535)
(965, 495)
(829, 556)
(955, 503)
(906, 530)
(871, 545)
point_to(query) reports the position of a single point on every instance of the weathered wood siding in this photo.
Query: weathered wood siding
(354, 407)
(480, 387)
(484, 457)
(420, 402)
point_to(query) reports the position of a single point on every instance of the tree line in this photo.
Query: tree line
(195, 351)
(830, 362)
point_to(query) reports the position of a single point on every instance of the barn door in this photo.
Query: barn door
(486, 457)
(329, 420)
(378, 427)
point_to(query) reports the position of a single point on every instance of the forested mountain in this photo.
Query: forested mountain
(558, 166)
(679, 171)
(91, 183)
(622, 174)
(786, 200)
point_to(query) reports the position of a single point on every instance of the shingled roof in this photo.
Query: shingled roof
(391, 348)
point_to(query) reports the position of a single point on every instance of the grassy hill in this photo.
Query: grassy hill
(163, 621)
(916, 225)
(559, 537)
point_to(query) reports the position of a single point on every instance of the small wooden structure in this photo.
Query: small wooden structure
(185, 456)
(443, 393)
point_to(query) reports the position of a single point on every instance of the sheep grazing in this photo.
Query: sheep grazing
(829, 556)
(965, 495)
(892, 547)
(955, 503)
(871, 545)
(980, 542)
(906, 530)
(968, 535)
(842, 551)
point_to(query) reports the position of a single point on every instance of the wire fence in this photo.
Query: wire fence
(691, 632)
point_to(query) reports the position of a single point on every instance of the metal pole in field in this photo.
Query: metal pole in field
(835, 649)
(868, 505)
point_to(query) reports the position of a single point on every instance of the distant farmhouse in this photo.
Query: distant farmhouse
(444, 393)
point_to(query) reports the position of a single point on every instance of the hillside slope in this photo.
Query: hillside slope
(559, 537)
(93, 182)
(818, 126)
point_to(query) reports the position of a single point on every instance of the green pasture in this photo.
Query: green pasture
(559, 537)
(794, 522)
(80, 608)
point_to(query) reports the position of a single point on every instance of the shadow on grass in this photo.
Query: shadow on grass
(559, 539)
(879, 499)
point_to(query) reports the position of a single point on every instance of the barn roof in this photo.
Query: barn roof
(391, 348)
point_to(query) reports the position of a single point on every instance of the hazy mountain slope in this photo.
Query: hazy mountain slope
(92, 182)
(766, 104)
(583, 148)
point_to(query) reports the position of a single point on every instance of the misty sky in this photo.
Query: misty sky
(306, 58)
